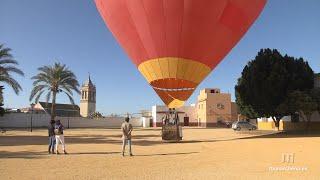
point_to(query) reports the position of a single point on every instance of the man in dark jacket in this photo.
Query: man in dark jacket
(52, 138)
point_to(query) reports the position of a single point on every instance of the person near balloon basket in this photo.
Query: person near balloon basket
(126, 128)
(58, 130)
(52, 138)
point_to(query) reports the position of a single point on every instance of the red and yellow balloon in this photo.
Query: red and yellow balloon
(176, 43)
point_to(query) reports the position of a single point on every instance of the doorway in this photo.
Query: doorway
(186, 121)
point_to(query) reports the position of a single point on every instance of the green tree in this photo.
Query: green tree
(245, 110)
(315, 95)
(53, 80)
(267, 80)
(302, 103)
(7, 68)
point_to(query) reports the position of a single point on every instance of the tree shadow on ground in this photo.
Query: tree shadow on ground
(287, 134)
(94, 153)
(41, 155)
(290, 134)
(22, 154)
(44, 154)
(89, 139)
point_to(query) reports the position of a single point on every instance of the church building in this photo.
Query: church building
(88, 98)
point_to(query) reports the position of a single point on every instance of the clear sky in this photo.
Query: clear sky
(42, 32)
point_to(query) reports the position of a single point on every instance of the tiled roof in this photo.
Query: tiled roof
(62, 109)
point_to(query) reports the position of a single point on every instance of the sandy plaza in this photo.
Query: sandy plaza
(203, 154)
(159, 90)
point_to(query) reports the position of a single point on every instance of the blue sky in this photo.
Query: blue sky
(42, 32)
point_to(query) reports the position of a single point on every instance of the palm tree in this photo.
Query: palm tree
(7, 67)
(53, 80)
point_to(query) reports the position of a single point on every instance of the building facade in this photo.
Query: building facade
(214, 107)
(88, 98)
(62, 110)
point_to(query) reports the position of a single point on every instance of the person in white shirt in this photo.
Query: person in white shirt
(58, 130)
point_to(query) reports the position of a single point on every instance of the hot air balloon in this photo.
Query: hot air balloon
(175, 44)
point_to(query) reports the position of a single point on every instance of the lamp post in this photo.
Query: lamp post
(32, 106)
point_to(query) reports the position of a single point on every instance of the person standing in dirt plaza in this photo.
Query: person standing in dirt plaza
(52, 138)
(126, 128)
(58, 131)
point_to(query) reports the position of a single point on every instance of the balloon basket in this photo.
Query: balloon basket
(171, 129)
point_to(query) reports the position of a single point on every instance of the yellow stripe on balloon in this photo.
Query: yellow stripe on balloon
(173, 67)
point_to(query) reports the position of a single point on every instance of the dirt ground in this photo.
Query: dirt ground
(203, 154)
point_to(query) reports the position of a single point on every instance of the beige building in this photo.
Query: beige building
(88, 98)
(214, 107)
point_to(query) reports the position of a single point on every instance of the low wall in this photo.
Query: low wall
(22, 120)
(288, 126)
(301, 126)
(266, 125)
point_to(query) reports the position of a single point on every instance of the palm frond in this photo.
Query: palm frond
(36, 100)
(36, 90)
(48, 96)
(56, 78)
(12, 83)
(14, 70)
(8, 61)
(70, 97)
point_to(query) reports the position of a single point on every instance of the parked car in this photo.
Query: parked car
(243, 125)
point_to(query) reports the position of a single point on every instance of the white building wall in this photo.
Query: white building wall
(189, 111)
(22, 120)
(145, 122)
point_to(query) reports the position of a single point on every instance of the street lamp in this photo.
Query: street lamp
(32, 106)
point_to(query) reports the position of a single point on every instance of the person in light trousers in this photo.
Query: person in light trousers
(59, 137)
(126, 128)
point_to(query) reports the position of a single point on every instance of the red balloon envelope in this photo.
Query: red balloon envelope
(176, 43)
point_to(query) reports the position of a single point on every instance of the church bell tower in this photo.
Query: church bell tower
(88, 98)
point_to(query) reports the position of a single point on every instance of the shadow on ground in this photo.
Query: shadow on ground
(141, 140)
(39, 155)
(167, 154)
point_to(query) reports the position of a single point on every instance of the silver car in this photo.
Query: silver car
(241, 125)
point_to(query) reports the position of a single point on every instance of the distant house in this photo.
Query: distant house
(62, 110)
